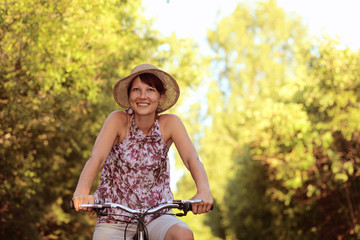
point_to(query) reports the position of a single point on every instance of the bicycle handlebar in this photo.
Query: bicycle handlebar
(185, 205)
(130, 210)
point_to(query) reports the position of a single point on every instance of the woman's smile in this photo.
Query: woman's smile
(143, 104)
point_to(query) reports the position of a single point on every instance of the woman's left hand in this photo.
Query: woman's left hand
(204, 206)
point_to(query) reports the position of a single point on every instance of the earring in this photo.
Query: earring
(129, 111)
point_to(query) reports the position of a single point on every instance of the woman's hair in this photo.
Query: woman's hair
(151, 80)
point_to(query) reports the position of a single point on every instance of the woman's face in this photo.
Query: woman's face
(143, 98)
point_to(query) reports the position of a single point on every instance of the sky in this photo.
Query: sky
(192, 18)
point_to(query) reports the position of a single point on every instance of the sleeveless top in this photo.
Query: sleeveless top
(135, 174)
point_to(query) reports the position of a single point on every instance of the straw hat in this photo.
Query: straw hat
(172, 92)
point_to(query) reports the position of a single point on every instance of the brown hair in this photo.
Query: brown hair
(151, 80)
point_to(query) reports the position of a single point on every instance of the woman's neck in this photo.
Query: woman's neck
(145, 123)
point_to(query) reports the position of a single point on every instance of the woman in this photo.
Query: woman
(132, 148)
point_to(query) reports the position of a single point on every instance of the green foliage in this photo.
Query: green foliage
(47, 90)
(244, 100)
(282, 147)
(248, 207)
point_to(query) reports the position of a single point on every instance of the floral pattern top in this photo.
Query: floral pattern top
(135, 174)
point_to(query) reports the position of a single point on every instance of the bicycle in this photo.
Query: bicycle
(139, 214)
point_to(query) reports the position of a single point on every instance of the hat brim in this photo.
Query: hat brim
(172, 93)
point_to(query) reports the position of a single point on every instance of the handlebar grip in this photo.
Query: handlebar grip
(188, 207)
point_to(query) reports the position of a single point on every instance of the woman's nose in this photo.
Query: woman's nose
(143, 94)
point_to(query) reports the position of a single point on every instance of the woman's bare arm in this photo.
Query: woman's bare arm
(191, 161)
(109, 132)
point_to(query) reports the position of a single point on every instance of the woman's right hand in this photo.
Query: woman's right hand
(79, 199)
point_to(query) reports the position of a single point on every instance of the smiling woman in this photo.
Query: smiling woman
(132, 148)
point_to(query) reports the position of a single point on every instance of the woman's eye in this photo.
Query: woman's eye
(151, 90)
(135, 89)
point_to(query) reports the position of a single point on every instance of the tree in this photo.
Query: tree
(329, 94)
(284, 125)
(256, 54)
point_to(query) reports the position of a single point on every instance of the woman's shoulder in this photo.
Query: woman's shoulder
(120, 117)
(117, 114)
(168, 117)
(169, 125)
(169, 120)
